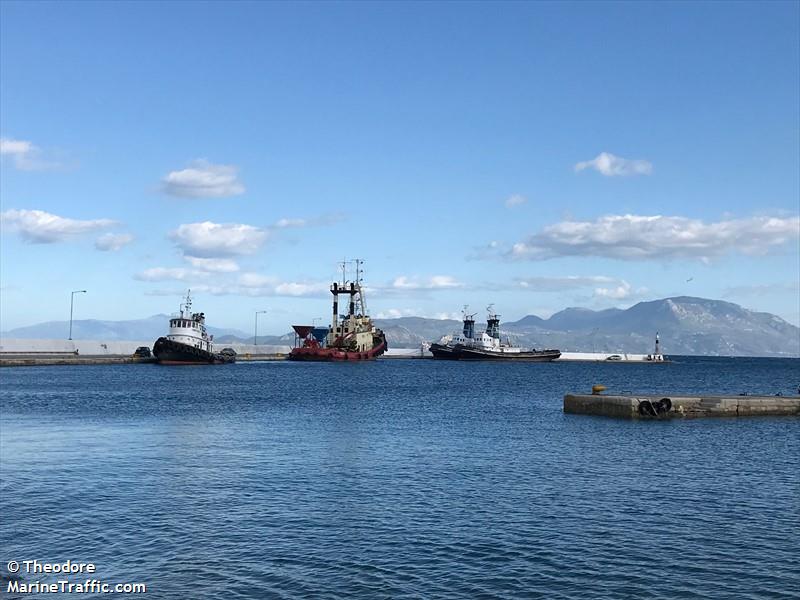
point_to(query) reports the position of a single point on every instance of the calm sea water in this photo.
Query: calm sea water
(415, 479)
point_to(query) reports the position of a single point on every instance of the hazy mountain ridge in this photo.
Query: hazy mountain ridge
(687, 325)
(94, 329)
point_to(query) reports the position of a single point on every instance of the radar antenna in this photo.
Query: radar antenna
(465, 313)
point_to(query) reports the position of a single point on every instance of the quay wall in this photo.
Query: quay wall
(600, 356)
(629, 407)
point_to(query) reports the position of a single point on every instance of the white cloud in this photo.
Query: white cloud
(288, 223)
(170, 274)
(515, 200)
(113, 241)
(256, 280)
(215, 240)
(762, 289)
(15, 147)
(249, 284)
(396, 313)
(632, 237)
(285, 223)
(436, 282)
(610, 165)
(40, 227)
(623, 290)
(265, 285)
(564, 283)
(213, 265)
(25, 155)
(203, 180)
(293, 288)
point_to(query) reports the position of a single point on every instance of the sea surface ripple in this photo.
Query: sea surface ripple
(399, 479)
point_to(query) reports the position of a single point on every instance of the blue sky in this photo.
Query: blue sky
(530, 155)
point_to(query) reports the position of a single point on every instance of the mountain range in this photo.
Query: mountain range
(686, 325)
(93, 329)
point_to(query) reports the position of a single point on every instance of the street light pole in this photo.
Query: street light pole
(71, 304)
(255, 332)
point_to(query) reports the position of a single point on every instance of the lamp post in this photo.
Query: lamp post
(255, 332)
(71, 304)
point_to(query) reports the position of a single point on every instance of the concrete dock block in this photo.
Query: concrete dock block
(629, 407)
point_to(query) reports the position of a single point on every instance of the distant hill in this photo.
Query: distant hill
(686, 325)
(93, 329)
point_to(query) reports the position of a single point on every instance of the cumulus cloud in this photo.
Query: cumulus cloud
(288, 223)
(295, 289)
(111, 242)
(436, 282)
(252, 285)
(619, 292)
(610, 165)
(604, 287)
(213, 265)
(762, 289)
(25, 155)
(203, 179)
(255, 280)
(633, 237)
(265, 285)
(216, 240)
(396, 313)
(170, 274)
(40, 227)
(515, 200)
(561, 284)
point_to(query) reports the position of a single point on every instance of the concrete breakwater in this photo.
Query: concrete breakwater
(667, 407)
(16, 352)
(24, 352)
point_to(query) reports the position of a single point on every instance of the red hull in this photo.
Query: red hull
(335, 355)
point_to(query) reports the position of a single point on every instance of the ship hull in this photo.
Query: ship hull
(310, 354)
(445, 352)
(168, 352)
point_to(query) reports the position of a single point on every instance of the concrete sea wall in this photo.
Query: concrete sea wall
(636, 407)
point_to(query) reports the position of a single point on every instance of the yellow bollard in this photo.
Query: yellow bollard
(597, 389)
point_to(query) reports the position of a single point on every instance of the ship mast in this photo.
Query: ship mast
(361, 301)
(187, 305)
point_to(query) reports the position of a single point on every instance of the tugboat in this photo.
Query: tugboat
(188, 342)
(486, 345)
(354, 337)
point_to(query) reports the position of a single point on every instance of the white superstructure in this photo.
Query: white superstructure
(486, 341)
(189, 328)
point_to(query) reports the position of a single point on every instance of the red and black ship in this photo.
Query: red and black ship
(351, 337)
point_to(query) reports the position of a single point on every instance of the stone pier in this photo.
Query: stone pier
(654, 407)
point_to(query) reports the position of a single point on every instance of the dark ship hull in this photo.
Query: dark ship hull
(460, 352)
(168, 352)
(333, 354)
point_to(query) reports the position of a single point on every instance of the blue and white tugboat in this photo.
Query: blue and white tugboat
(188, 342)
(486, 345)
